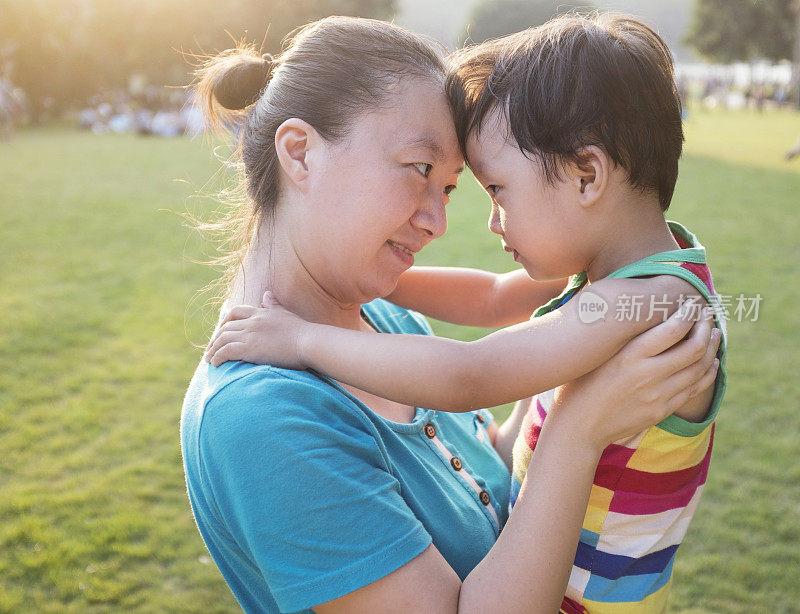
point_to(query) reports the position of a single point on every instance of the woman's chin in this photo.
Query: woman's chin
(382, 287)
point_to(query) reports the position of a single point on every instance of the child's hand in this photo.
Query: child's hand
(262, 335)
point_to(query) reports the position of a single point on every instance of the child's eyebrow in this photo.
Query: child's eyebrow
(476, 169)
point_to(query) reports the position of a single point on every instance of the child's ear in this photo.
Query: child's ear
(591, 175)
(296, 143)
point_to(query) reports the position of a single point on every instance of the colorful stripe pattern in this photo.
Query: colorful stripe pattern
(646, 489)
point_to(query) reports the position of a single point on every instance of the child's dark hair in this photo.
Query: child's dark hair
(578, 80)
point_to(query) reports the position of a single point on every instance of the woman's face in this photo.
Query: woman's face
(379, 197)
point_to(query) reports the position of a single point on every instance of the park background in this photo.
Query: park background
(101, 316)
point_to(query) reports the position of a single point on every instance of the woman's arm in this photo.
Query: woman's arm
(528, 567)
(472, 297)
(438, 373)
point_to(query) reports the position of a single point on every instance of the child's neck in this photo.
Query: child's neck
(639, 230)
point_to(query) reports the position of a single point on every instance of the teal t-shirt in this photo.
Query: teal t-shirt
(303, 494)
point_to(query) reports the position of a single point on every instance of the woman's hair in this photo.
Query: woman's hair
(600, 79)
(330, 72)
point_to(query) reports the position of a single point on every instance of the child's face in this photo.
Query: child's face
(537, 222)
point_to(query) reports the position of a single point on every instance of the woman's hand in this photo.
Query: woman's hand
(649, 379)
(262, 335)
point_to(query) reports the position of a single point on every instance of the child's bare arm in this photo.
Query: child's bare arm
(472, 297)
(438, 373)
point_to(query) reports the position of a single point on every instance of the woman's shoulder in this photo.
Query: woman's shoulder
(265, 391)
(239, 401)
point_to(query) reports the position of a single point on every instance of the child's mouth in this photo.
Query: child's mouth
(510, 249)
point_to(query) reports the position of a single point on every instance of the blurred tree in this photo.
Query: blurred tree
(494, 18)
(60, 52)
(743, 30)
(40, 47)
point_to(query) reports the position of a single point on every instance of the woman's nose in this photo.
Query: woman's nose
(431, 218)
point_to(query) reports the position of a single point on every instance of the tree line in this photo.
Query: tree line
(60, 52)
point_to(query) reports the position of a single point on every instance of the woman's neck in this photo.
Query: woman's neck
(271, 263)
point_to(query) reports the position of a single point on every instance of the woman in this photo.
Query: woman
(310, 494)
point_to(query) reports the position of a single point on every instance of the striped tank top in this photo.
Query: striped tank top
(646, 488)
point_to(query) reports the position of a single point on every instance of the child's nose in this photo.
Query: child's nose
(494, 220)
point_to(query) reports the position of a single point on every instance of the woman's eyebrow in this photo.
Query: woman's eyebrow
(429, 143)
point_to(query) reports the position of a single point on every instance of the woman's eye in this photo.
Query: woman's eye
(449, 189)
(424, 168)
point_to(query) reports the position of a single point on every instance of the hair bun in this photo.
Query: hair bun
(242, 83)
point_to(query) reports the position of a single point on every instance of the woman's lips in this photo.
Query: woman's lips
(402, 252)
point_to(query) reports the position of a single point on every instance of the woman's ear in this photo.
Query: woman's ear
(591, 175)
(295, 143)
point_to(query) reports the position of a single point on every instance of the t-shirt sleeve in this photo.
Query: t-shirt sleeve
(303, 486)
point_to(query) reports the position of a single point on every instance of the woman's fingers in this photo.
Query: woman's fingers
(687, 392)
(712, 348)
(693, 379)
(708, 379)
(691, 350)
(663, 336)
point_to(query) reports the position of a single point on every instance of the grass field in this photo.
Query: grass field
(97, 321)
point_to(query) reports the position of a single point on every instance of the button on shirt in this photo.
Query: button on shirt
(303, 494)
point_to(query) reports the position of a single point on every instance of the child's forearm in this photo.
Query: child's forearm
(444, 374)
(439, 292)
(517, 296)
(510, 364)
(472, 297)
(409, 369)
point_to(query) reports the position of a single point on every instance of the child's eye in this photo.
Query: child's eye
(424, 168)
(492, 189)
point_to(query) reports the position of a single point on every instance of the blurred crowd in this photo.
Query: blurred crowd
(716, 92)
(173, 112)
(13, 106)
(151, 111)
(147, 110)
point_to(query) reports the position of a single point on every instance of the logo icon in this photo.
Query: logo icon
(591, 307)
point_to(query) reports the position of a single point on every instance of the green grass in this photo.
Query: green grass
(97, 321)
